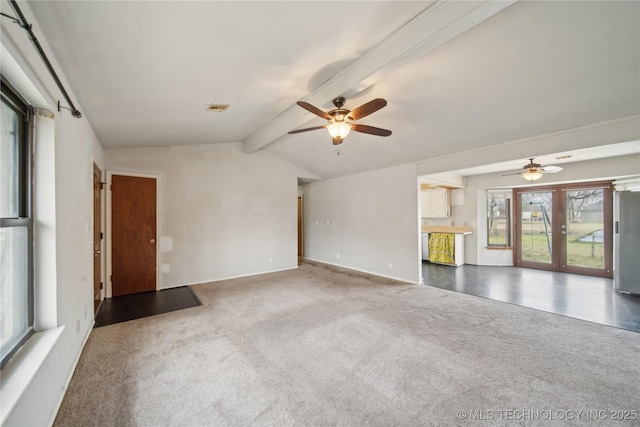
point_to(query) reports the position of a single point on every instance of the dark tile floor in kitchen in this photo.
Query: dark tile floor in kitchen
(573, 295)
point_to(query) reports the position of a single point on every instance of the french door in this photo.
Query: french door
(566, 228)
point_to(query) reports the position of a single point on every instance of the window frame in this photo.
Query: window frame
(12, 98)
(508, 197)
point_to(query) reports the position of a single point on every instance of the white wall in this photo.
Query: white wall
(222, 213)
(474, 209)
(370, 219)
(67, 149)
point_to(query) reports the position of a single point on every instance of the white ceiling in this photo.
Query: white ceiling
(143, 73)
(557, 159)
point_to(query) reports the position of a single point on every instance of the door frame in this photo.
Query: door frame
(517, 221)
(109, 266)
(558, 212)
(101, 227)
(300, 228)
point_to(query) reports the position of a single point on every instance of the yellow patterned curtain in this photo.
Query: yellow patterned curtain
(441, 247)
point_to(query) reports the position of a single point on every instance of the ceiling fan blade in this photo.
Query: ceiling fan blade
(514, 173)
(315, 110)
(307, 129)
(370, 129)
(551, 169)
(368, 108)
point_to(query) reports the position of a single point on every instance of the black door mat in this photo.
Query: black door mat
(136, 306)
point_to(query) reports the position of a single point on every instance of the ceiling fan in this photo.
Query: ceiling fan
(534, 171)
(341, 120)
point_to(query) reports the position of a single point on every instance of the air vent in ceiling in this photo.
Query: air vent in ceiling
(217, 107)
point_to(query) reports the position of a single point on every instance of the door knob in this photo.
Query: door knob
(96, 252)
(152, 240)
(563, 232)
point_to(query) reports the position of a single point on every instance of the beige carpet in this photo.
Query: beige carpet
(323, 346)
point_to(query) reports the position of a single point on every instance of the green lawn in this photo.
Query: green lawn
(586, 254)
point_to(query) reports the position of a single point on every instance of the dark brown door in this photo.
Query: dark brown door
(133, 234)
(566, 228)
(97, 238)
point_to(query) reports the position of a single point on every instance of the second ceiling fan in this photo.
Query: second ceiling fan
(341, 120)
(534, 171)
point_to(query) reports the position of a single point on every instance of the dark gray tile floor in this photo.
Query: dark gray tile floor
(135, 306)
(573, 295)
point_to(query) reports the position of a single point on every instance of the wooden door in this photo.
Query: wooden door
(133, 235)
(586, 235)
(97, 237)
(536, 236)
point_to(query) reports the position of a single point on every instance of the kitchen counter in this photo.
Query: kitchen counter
(444, 229)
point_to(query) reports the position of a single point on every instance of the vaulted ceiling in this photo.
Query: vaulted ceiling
(458, 76)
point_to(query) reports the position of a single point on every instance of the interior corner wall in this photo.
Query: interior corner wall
(67, 164)
(222, 213)
(368, 222)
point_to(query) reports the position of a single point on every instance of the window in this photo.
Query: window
(16, 224)
(499, 218)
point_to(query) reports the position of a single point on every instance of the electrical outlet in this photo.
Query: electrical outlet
(338, 256)
(86, 311)
(78, 327)
(328, 222)
(390, 266)
(270, 260)
(317, 222)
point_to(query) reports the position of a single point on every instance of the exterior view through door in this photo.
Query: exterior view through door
(565, 228)
(133, 235)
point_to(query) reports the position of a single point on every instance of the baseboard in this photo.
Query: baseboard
(362, 271)
(228, 278)
(72, 371)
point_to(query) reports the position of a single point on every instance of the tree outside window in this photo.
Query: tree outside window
(499, 218)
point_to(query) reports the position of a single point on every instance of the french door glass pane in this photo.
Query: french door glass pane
(585, 227)
(8, 162)
(536, 237)
(14, 297)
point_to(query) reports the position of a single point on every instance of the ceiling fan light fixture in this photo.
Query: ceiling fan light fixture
(532, 175)
(340, 120)
(339, 130)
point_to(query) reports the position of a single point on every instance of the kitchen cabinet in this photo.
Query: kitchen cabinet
(459, 233)
(435, 203)
(425, 246)
(458, 255)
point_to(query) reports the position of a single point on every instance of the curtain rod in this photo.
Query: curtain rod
(22, 22)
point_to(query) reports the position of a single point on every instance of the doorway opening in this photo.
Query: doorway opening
(566, 228)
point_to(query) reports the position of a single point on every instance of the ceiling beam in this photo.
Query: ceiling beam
(434, 26)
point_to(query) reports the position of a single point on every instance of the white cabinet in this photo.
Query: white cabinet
(435, 203)
(425, 246)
